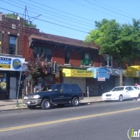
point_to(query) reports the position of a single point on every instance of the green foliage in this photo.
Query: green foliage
(29, 24)
(120, 41)
(13, 16)
(25, 22)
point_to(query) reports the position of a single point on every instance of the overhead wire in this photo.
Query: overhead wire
(59, 24)
(81, 23)
(51, 22)
(40, 5)
(96, 9)
(115, 8)
(107, 9)
(62, 11)
(55, 13)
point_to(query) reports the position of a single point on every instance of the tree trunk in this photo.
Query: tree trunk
(121, 78)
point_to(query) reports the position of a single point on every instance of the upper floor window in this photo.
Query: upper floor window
(67, 57)
(42, 50)
(86, 59)
(108, 60)
(12, 44)
(48, 54)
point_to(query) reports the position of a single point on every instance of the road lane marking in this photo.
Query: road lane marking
(66, 120)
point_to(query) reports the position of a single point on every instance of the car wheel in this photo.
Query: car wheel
(120, 98)
(45, 104)
(75, 101)
(31, 107)
(61, 105)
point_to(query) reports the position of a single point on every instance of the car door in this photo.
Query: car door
(133, 92)
(129, 92)
(67, 92)
(126, 94)
(57, 94)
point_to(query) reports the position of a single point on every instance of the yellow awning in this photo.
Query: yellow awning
(133, 71)
(77, 73)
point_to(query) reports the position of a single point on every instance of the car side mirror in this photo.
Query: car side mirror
(55, 90)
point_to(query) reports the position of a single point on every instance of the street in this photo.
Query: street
(97, 121)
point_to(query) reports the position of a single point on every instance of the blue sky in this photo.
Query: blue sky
(72, 18)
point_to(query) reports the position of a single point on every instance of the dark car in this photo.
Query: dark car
(59, 94)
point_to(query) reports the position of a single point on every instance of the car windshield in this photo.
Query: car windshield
(118, 89)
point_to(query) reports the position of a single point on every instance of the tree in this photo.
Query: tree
(120, 41)
(36, 69)
(25, 22)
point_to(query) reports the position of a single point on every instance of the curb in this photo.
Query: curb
(23, 108)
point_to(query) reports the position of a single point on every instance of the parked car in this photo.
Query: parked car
(59, 94)
(121, 93)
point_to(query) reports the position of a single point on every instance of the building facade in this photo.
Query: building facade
(71, 56)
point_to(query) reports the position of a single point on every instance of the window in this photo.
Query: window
(58, 88)
(67, 57)
(12, 44)
(47, 52)
(75, 87)
(67, 89)
(49, 55)
(118, 89)
(86, 59)
(108, 60)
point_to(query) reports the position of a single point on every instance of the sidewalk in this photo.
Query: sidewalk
(6, 105)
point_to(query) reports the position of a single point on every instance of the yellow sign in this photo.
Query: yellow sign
(7, 66)
(133, 71)
(77, 73)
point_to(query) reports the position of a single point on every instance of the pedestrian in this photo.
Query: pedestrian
(136, 84)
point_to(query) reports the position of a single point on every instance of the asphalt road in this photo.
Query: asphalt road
(98, 121)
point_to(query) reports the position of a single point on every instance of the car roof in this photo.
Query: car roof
(124, 86)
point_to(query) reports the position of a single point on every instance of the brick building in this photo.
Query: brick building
(73, 57)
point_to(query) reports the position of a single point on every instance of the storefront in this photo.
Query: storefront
(100, 82)
(132, 75)
(115, 74)
(104, 79)
(10, 68)
(77, 76)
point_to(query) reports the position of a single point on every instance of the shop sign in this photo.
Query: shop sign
(11, 63)
(132, 71)
(100, 72)
(77, 73)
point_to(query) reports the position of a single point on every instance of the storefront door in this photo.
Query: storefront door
(12, 91)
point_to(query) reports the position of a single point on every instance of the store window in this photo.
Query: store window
(12, 44)
(3, 82)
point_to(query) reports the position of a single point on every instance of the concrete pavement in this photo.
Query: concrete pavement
(7, 105)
